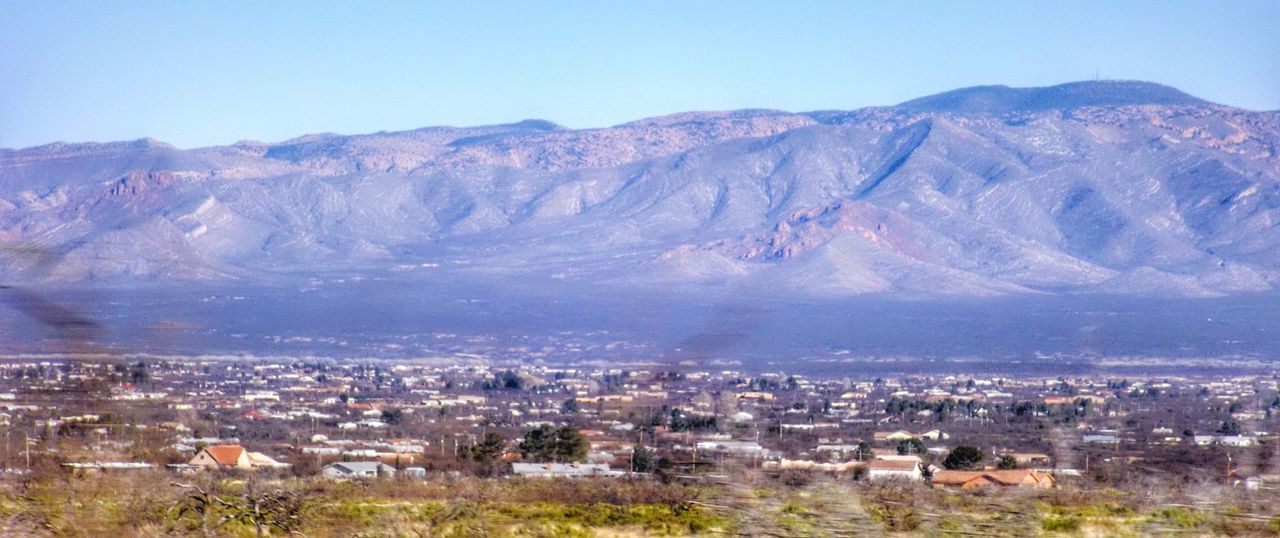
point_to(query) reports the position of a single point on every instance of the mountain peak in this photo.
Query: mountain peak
(700, 116)
(535, 124)
(1003, 99)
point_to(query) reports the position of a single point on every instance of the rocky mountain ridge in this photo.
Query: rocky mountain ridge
(1093, 187)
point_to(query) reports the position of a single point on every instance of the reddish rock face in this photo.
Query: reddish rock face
(807, 229)
(136, 183)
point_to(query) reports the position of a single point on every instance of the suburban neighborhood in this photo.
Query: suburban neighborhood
(379, 420)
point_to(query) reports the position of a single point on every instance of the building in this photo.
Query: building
(888, 469)
(735, 448)
(223, 457)
(1032, 459)
(1007, 478)
(358, 469)
(81, 468)
(563, 470)
(1238, 441)
(900, 435)
(258, 460)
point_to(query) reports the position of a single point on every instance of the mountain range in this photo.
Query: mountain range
(1114, 187)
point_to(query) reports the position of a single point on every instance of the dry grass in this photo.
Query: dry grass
(142, 505)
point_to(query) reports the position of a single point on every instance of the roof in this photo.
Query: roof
(1013, 477)
(258, 459)
(1006, 477)
(359, 467)
(892, 465)
(562, 469)
(225, 454)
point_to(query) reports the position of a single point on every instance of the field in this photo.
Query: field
(158, 504)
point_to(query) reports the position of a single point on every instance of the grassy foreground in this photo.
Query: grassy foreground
(154, 504)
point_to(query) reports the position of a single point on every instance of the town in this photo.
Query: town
(430, 420)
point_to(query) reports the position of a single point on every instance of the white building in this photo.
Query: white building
(888, 470)
(358, 469)
(563, 470)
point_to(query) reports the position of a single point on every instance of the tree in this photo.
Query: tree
(643, 460)
(1229, 427)
(964, 457)
(263, 511)
(393, 416)
(682, 421)
(485, 454)
(1007, 462)
(570, 406)
(512, 381)
(863, 452)
(911, 446)
(197, 503)
(138, 373)
(563, 444)
(538, 444)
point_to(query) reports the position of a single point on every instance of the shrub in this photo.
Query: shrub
(1058, 523)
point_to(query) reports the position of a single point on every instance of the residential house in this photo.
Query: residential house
(222, 457)
(358, 469)
(232, 457)
(1101, 439)
(935, 435)
(889, 469)
(1238, 441)
(900, 435)
(563, 470)
(1032, 459)
(1025, 478)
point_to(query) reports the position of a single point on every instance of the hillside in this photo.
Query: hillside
(1091, 187)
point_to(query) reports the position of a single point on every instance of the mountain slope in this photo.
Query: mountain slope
(1114, 187)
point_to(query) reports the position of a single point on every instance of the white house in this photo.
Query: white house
(358, 469)
(1238, 441)
(563, 470)
(888, 469)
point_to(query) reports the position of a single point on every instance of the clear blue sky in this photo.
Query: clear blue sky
(206, 73)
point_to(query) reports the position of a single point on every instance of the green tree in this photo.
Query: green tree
(547, 444)
(1007, 462)
(485, 454)
(138, 373)
(393, 416)
(911, 446)
(1229, 427)
(571, 445)
(643, 460)
(864, 453)
(570, 406)
(964, 457)
(538, 444)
